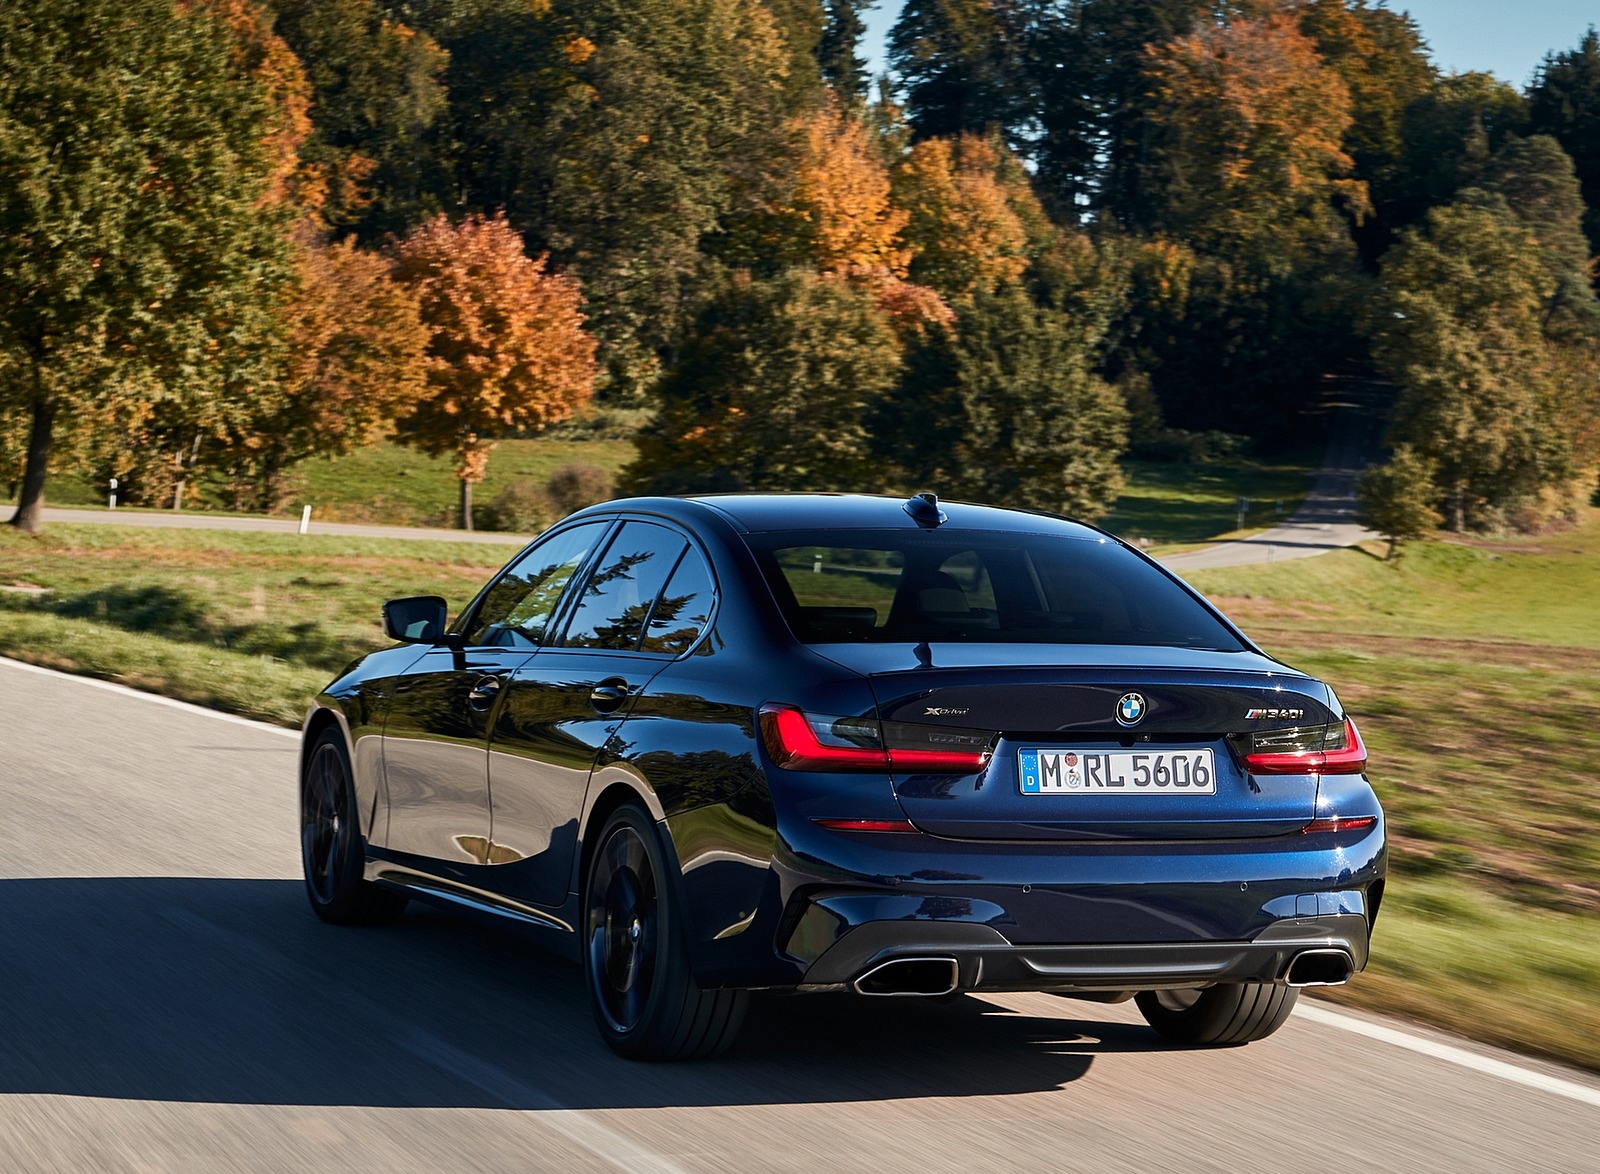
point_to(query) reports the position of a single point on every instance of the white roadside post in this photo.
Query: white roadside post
(305, 519)
(113, 504)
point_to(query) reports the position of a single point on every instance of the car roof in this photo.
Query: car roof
(757, 512)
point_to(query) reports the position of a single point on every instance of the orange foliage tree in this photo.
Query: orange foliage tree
(507, 349)
(354, 361)
(1254, 124)
(964, 225)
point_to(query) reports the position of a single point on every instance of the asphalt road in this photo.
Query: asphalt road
(168, 1003)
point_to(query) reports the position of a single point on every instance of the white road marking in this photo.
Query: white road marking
(153, 698)
(1450, 1054)
(576, 1125)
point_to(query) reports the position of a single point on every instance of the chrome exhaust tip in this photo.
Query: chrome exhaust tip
(910, 976)
(1319, 968)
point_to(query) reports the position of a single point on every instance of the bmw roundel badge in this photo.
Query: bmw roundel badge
(1130, 709)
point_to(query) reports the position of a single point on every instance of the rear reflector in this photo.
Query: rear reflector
(866, 825)
(1354, 823)
(1321, 750)
(802, 741)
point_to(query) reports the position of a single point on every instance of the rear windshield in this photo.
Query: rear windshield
(845, 587)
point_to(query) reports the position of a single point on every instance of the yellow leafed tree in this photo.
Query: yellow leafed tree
(507, 347)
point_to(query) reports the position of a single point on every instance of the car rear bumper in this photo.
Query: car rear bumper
(982, 959)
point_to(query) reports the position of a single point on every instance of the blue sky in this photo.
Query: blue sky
(1507, 38)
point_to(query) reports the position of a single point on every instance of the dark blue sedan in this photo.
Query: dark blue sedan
(907, 748)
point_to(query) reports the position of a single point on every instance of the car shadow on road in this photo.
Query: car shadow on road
(230, 991)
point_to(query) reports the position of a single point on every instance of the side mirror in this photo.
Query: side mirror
(416, 619)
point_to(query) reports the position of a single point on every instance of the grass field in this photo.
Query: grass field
(1165, 502)
(394, 485)
(1470, 669)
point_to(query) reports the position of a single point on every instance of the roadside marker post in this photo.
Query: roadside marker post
(113, 504)
(305, 519)
(1243, 506)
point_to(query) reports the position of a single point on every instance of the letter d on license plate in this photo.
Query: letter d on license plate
(1116, 772)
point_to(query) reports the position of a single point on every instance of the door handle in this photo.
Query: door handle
(484, 691)
(609, 694)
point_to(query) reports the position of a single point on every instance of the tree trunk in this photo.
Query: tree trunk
(30, 506)
(466, 504)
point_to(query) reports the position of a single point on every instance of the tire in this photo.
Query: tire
(646, 1002)
(1225, 1014)
(332, 852)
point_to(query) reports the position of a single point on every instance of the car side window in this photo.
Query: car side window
(619, 595)
(518, 606)
(684, 609)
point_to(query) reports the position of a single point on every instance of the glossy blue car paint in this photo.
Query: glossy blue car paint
(1077, 894)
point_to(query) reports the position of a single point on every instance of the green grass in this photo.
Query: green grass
(1485, 967)
(251, 623)
(394, 485)
(1470, 668)
(1173, 503)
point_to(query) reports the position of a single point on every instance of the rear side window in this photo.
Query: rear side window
(621, 592)
(978, 587)
(519, 604)
(684, 609)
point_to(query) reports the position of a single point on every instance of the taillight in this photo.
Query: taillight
(808, 741)
(1335, 749)
(1349, 823)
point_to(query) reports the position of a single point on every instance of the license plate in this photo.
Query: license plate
(1116, 772)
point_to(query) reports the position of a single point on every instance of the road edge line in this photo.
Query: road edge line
(157, 698)
(1450, 1054)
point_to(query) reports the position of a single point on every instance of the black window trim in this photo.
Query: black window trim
(568, 608)
(469, 614)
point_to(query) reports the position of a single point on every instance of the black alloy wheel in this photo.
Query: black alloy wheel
(1228, 1013)
(330, 842)
(646, 1001)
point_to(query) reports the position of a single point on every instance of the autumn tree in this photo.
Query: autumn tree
(378, 100)
(1461, 332)
(840, 217)
(1251, 136)
(775, 389)
(142, 149)
(354, 362)
(1396, 499)
(507, 349)
(969, 211)
(1449, 135)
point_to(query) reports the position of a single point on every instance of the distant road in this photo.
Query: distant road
(199, 520)
(171, 1004)
(1326, 519)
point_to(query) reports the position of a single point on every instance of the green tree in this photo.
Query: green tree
(1007, 408)
(1461, 331)
(140, 145)
(775, 389)
(841, 64)
(1450, 134)
(1564, 102)
(378, 97)
(952, 59)
(1535, 177)
(507, 348)
(1396, 499)
(620, 135)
